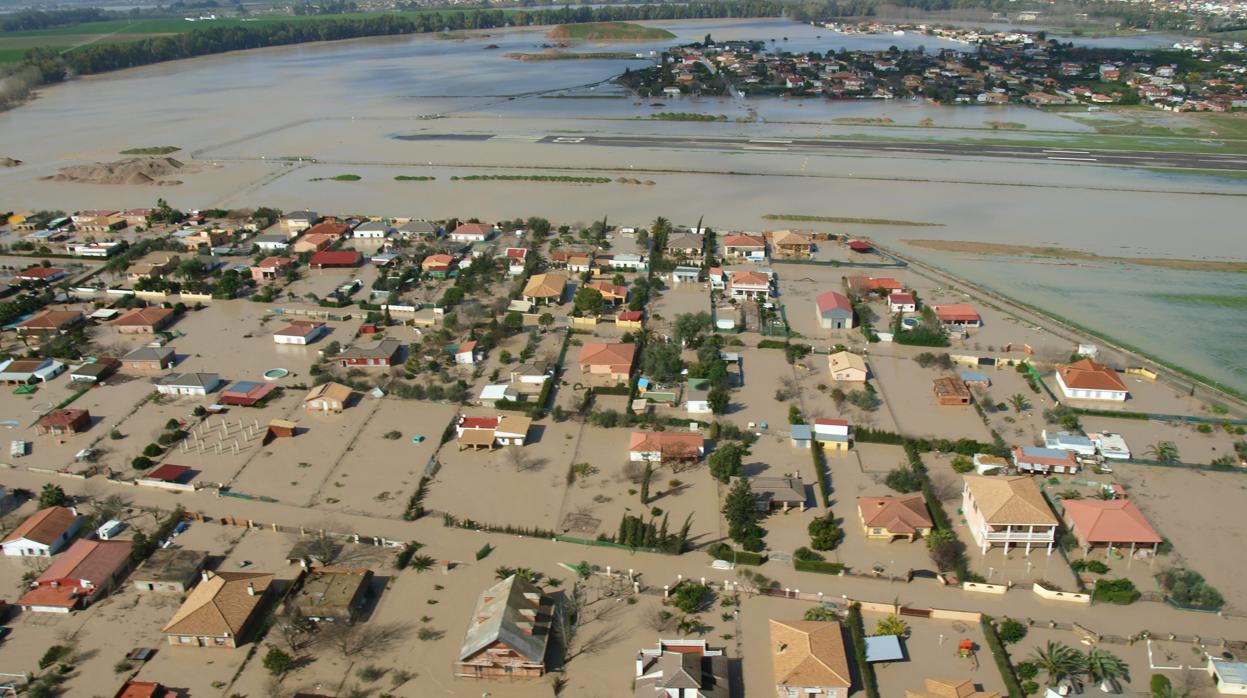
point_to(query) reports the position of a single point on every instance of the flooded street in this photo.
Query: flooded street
(263, 116)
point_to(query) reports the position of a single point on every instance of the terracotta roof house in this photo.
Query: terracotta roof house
(330, 228)
(847, 367)
(1007, 511)
(835, 312)
(665, 445)
(220, 610)
(771, 492)
(148, 320)
(148, 359)
(152, 265)
(808, 659)
(327, 397)
(950, 391)
(902, 303)
(889, 518)
(271, 268)
(606, 363)
(64, 421)
(951, 688)
(41, 275)
(300, 332)
(437, 265)
(170, 570)
(312, 242)
(1044, 461)
(751, 285)
(384, 352)
(334, 258)
(789, 243)
(1114, 523)
(50, 322)
(43, 533)
(333, 594)
(508, 634)
(78, 577)
(744, 246)
(683, 669)
(864, 285)
(246, 393)
(544, 288)
(1087, 380)
(487, 432)
(613, 294)
(143, 689)
(962, 314)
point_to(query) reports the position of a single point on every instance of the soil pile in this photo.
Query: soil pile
(9, 162)
(131, 171)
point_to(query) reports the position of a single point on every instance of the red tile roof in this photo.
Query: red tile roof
(168, 473)
(38, 273)
(144, 317)
(895, 514)
(334, 230)
(1086, 374)
(832, 300)
(473, 229)
(957, 312)
(686, 444)
(1112, 521)
(44, 526)
(142, 689)
(334, 258)
(479, 422)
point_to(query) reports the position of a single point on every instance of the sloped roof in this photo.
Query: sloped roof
(1086, 374)
(603, 354)
(957, 312)
(743, 241)
(843, 360)
(92, 560)
(1010, 500)
(809, 653)
(896, 514)
(749, 278)
(149, 354)
(1111, 521)
(143, 317)
(44, 526)
(545, 286)
(300, 328)
(500, 617)
(789, 237)
(329, 391)
(194, 380)
(833, 302)
(52, 319)
(334, 258)
(668, 442)
(219, 606)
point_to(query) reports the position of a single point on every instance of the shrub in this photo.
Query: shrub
(1188, 588)
(1026, 670)
(904, 480)
(1011, 631)
(723, 551)
(819, 566)
(1118, 591)
(277, 662)
(690, 597)
(152, 450)
(1160, 684)
(393, 435)
(825, 534)
(1097, 566)
(1002, 657)
(54, 654)
(961, 464)
(142, 463)
(1030, 688)
(484, 551)
(804, 553)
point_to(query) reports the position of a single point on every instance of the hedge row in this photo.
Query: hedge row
(723, 551)
(820, 471)
(858, 633)
(820, 566)
(1002, 659)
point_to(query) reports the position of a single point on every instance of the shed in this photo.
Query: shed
(279, 429)
(884, 648)
(801, 435)
(976, 378)
(64, 421)
(951, 391)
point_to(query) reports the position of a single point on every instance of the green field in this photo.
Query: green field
(1230, 302)
(152, 150)
(609, 31)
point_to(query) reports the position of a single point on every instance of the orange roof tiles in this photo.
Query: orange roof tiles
(1086, 374)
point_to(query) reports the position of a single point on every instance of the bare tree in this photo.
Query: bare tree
(659, 619)
(944, 486)
(296, 632)
(518, 458)
(365, 638)
(632, 471)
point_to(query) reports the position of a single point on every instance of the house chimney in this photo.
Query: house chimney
(782, 646)
(250, 589)
(640, 664)
(203, 576)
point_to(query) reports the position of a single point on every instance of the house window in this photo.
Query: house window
(876, 531)
(186, 640)
(218, 641)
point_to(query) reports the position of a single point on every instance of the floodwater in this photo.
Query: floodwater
(262, 116)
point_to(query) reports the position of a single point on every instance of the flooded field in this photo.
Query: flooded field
(273, 120)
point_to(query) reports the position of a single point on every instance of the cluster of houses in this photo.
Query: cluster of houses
(1003, 67)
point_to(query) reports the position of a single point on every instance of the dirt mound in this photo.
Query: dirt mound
(131, 171)
(9, 162)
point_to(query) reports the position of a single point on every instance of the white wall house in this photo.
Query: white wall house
(1007, 512)
(43, 534)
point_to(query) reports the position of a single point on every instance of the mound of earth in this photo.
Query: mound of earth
(131, 171)
(9, 162)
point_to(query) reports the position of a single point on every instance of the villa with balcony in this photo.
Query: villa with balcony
(1008, 512)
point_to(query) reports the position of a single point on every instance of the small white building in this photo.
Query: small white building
(188, 384)
(300, 332)
(1065, 441)
(372, 230)
(1230, 678)
(902, 303)
(467, 354)
(1110, 445)
(43, 534)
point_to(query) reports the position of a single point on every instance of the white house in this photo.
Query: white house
(1065, 441)
(1110, 445)
(753, 285)
(300, 332)
(902, 303)
(372, 230)
(193, 384)
(43, 534)
(472, 232)
(686, 275)
(630, 262)
(467, 354)
(833, 433)
(1229, 677)
(1087, 380)
(298, 221)
(271, 242)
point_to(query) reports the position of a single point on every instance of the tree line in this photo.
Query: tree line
(100, 57)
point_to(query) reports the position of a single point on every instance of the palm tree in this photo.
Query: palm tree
(420, 563)
(1019, 402)
(503, 572)
(1058, 662)
(1163, 451)
(1102, 666)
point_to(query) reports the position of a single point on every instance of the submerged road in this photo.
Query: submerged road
(1059, 155)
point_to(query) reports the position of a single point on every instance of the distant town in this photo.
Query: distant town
(997, 68)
